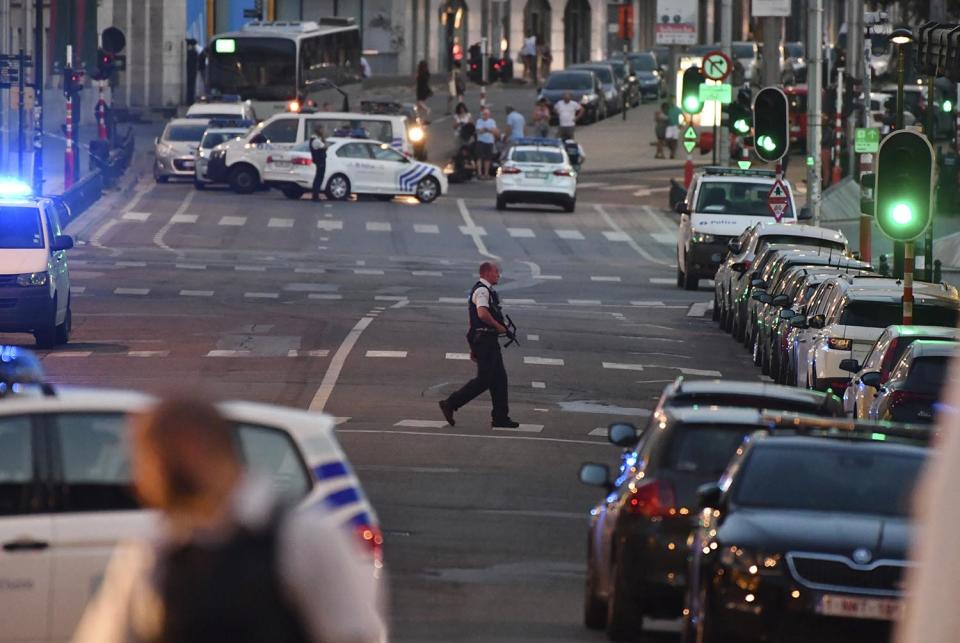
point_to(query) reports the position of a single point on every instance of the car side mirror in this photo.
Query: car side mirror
(681, 208)
(805, 214)
(708, 496)
(595, 475)
(734, 246)
(156, 141)
(757, 283)
(870, 379)
(623, 434)
(258, 139)
(61, 242)
(787, 314)
(781, 300)
(762, 296)
(849, 365)
(817, 321)
(799, 322)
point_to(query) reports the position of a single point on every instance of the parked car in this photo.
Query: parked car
(582, 85)
(175, 147)
(629, 82)
(650, 78)
(612, 89)
(915, 384)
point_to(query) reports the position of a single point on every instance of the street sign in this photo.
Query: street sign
(717, 65)
(690, 138)
(766, 8)
(677, 23)
(866, 140)
(777, 200)
(720, 93)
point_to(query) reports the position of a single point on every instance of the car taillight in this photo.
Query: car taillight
(562, 173)
(302, 161)
(269, 159)
(655, 499)
(509, 169)
(906, 397)
(371, 540)
(840, 344)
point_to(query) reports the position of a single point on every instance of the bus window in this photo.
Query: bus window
(254, 68)
(282, 130)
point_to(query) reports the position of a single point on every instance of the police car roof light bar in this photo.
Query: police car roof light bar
(716, 170)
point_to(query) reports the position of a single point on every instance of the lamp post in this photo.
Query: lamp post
(901, 37)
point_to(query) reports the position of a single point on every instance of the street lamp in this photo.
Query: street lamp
(901, 38)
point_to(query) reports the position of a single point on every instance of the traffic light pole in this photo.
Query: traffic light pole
(837, 173)
(908, 282)
(68, 131)
(928, 233)
(814, 106)
(899, 252)
(688, 166)
(38, 100)
(101, 112)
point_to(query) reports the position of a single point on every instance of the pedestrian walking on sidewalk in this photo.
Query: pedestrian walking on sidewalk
(660, 127)
(487, 323)
(672, 133)
(568, 112)
(422, 82)
(487, 134)
(456, 86)
(516, 125)
(318, 153)
(230, 562)
(528, 52)
(541, 119)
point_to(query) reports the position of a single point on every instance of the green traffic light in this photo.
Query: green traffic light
(766, 143)
(947, 105)
(902, 213)
(691, 103)
(741, 126)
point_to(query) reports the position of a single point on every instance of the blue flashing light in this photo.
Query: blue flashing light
(14, 187)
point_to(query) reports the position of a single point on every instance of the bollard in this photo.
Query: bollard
(937, 271)
(884, 267)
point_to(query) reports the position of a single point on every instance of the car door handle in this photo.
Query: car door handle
(25, 544)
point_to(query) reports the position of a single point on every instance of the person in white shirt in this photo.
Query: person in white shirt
(568, 113)
(207, 577)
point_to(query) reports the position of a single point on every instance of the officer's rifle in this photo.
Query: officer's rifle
(511, 333)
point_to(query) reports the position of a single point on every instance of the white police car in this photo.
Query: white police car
(65, 497)
(34, 278)
(354, 166)
(537, 170)
(218, 132)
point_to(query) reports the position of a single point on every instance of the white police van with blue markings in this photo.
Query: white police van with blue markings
(355, 166)
(65, 498)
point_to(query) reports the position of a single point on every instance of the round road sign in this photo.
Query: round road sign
(717, 65)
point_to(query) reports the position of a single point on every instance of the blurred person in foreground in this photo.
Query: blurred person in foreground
(231, 563)
(933, 585)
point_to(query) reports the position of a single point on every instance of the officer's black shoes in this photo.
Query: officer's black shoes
(505, 424)
(447, 412)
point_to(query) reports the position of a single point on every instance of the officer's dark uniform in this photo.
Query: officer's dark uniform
(491, 375)
(318, 154)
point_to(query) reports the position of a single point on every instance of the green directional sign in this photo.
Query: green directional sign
(690, 138)
(866, 140)
(720, 93)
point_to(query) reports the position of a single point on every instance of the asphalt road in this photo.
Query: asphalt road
(358, 309)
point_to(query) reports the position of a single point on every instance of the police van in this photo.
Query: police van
(720, 204)
(241, 162)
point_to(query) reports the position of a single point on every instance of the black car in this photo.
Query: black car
(637, 535)
(915, 383)
(651, 80)
(612, 89)
(629, 83)
(806, 537)
(583, 87)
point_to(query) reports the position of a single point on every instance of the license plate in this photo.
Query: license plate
(188, 164)
(883, 609)
(536, 175)
(280, 163)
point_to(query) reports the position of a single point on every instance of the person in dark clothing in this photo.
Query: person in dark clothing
(318, 152)
(423, 87)
(486, 325)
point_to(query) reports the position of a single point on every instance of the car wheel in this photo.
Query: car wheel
(716, 307)
(338, 188)
(293, 192)
(706, 628)
(428, 189)
(570, 205)
(624, 620)
(45, 333)
(199, 185)
(594, 607)
(501, 203)
(63, 330)
(679, 273)
(243, 179)
(690, 282)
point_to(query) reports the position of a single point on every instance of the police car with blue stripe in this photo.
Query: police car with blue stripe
(355, 166)
(66, 498)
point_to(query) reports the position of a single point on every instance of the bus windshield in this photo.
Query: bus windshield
(255, 68)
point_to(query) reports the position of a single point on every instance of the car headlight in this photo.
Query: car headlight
(33, 279)
(748, 567)
(702, 237)
(163, 149)
(588, 98)
(416, 134)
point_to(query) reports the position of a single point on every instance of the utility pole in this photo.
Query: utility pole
(726, 45)
(38, 62)
(857, 70)
(772, 28)
(814, 105)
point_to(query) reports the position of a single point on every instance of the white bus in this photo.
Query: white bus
(275, 63)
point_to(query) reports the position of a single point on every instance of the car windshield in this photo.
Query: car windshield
(537, 156)
(254, 68)
(745, 50)
(803, 241)
(880, 314)
(569, 81)
(794, 49)
(704, 449)
(859, 480)
(619, 68)
(184, 133)
(740, 197)
(701, 50)
(20, 227)
(213, 115)
(644, 62)
(745, 400)
(212, 139)
(603, 73)
(927, 374)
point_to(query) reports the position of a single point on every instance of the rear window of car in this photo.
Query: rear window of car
(569, 81)
(746, 50)
(804, 241)
(370, 128)
(740, 197)
(20, 228)
(704, 450)
(603, 73)
(878, 314)
(536, 156)
(845, 480)
(928, 374)
(646, 62)
(212, 139)
(750, 401)
(184, 133)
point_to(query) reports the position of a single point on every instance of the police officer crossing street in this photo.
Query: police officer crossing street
(318, 152)
(487, 323)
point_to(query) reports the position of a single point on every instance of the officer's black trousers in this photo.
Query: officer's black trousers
(491, 375)
(318, 179)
